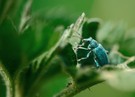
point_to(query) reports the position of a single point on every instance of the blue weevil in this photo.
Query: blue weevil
(96, 49)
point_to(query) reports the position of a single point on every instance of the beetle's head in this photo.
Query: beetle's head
(90, 39)
(87, 40)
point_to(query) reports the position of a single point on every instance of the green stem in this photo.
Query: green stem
(74, 89)
(8, 81)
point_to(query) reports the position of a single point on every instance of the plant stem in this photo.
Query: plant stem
(8, 81)
(124, 65)
(74, 89)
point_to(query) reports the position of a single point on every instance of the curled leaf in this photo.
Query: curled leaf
(127, 47)
(121, 79)
(110, 34)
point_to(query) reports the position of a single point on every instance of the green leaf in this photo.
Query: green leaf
(77, 31)
(26, 16)
(53, 86)
(110, 34)
(6, 7)
(121, 79)
(127, 47)
(116, 57)
(30, 76)
(38, 38)
(68, 56)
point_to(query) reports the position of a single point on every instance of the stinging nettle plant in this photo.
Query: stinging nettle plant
(34, 58)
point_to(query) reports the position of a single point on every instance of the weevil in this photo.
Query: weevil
(96, 49)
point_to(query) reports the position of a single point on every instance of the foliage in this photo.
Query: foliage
(37, 55)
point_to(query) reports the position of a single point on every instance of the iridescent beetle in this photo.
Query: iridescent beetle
(98, 52)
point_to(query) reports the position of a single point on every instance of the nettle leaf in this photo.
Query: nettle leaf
(121, 79)
(6, 8)
(68, 56)
(110, 34)
(25, 16)
(55, 84)
(31, 79)
(36, 71)
(61, 44)
(38, 38)
(69, 67)
(127, 47)
(77, 31)
(33, 74)
(74, 39)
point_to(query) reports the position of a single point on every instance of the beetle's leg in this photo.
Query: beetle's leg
(79, 47)
(84, 57)
(89, 46)
(96, 62)
(84, 48)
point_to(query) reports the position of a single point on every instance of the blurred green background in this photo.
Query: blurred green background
(108, 10)
(65, 12)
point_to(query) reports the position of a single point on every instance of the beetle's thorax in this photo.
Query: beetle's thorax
(93, 44)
